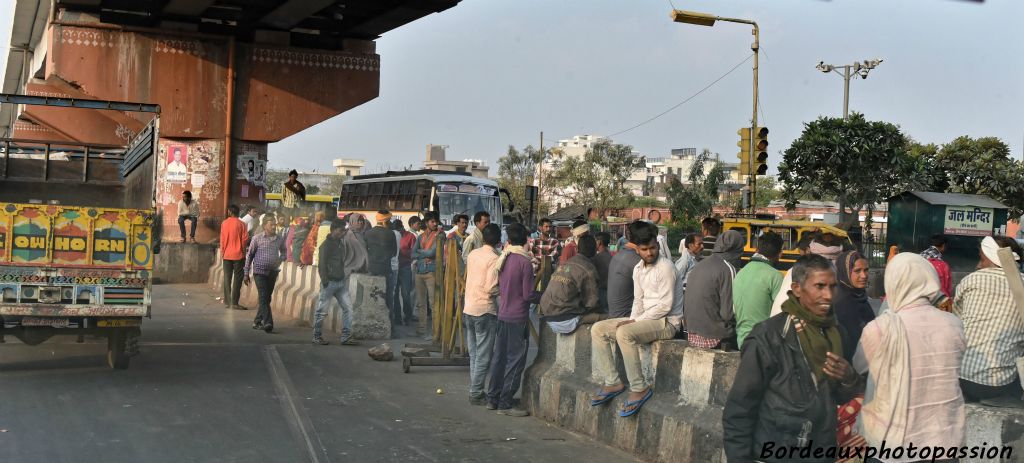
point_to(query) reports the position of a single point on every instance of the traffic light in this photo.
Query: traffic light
(758, 165)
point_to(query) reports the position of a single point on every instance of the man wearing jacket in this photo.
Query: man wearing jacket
(710, 320)
(333, 284)
(573, 296)
(792, 376)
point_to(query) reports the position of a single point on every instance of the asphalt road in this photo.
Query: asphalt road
(208, 388)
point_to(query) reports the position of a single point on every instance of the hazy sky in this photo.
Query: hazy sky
(490, 73)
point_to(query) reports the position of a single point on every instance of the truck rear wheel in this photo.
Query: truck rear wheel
(117, 358)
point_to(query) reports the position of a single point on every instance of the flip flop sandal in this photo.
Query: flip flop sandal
(636, 404)
(605, 397)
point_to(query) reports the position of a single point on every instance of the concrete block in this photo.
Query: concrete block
(184, 263)
(370, 317)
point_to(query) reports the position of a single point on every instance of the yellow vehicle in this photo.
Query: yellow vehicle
(317, 202)
(790, 230)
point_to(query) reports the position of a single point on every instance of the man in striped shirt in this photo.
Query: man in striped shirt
(992, 325)
(266, 252)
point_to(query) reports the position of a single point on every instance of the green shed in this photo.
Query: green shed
(914, 216)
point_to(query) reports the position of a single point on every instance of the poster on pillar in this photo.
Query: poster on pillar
(177, 162)
(246, 164)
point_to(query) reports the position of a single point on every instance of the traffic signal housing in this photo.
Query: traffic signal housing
(758, 163)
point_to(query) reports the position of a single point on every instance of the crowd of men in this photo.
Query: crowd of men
(820, 366)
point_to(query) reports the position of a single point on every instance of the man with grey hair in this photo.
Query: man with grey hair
(792, 370)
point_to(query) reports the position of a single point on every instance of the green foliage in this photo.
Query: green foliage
(692, 201)
(274, 180)
(978, 166)
(598, 178)
(516, 171)
(766, 193)
(860, 161)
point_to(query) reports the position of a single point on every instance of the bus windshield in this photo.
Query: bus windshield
(450, 204)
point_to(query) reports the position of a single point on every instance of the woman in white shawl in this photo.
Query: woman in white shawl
(913, 355)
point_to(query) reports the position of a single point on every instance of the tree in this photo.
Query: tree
(979, 166)
(274, 180)
(598, 178)
(767, 191)
(312, 190)
(692, 201)
(516, 171)
(861, 162)
(646, 201)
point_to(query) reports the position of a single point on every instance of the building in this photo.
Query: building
(436, 161)
(661, 171)
(349, 167)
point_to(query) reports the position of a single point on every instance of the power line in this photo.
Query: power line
(686, 100)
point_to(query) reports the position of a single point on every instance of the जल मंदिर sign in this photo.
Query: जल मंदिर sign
(968, 221)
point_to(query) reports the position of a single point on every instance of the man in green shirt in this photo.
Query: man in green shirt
(756, 285)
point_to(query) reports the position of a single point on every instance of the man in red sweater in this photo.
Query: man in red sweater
(233, 235)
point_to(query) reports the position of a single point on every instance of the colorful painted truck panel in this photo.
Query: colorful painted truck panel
(68, 236)
(68, 261)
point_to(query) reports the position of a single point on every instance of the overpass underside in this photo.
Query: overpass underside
(231, 77)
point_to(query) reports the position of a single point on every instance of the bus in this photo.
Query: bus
(414, 193)
(314, 202)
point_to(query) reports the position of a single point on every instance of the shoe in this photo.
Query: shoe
(193, 241)
(320, 342)
(349, 342)
(478, 401)
(491, 406)
(268, 328)
(517, 412)
(183, 240)
(256, 325)
(238, 307)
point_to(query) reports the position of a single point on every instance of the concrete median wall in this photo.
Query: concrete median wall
(682, 422)
(297, 293)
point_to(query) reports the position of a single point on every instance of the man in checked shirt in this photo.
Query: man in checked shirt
(266, 252)
(545, 248)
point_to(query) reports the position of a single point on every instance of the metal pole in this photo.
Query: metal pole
(846, 92)
(754, 122)
(540, 173)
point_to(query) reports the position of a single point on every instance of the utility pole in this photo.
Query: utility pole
(849, 70)
(540, 173)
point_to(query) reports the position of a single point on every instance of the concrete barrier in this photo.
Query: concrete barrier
(682, 422)
(297, 292)
(184, 262)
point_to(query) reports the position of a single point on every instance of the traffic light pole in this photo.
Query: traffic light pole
(752, 179)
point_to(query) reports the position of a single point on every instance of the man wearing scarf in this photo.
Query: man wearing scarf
(476, 238)
(792, 376)
(570, 248)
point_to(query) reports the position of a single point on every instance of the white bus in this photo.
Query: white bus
(414, 193)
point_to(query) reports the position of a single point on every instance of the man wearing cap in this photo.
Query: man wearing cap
(993, 326)
(380, 248)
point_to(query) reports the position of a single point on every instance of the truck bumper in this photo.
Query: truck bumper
(76, 310)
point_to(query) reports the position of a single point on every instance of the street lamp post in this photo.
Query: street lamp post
(705, 19)
(862, 69)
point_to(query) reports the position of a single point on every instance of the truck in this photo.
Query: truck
(78, 233)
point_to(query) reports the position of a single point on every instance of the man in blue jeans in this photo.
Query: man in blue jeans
(333, 283)
(480, 315)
